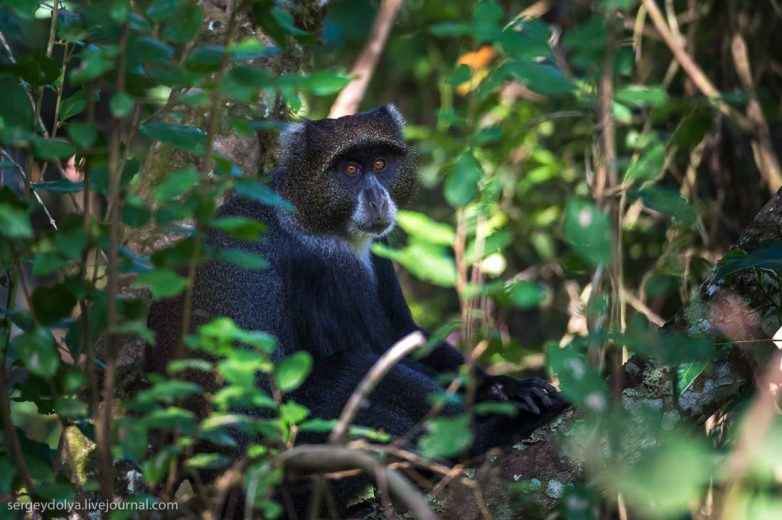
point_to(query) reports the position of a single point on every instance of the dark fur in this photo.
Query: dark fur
(318, 294)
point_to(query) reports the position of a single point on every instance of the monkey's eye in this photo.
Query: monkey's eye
(351, 168)
(379, 164)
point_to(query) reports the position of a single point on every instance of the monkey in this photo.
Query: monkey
(325, 292)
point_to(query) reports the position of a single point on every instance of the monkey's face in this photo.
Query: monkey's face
(367, 175)
(347, 176)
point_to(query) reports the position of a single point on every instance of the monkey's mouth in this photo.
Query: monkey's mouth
(377, 228)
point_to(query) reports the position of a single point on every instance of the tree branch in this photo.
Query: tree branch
(350, 98)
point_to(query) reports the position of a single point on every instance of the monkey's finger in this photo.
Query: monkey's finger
(547, 386)
(531, 406)
(542, 396)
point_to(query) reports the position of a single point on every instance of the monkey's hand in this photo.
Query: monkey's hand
(532, 395)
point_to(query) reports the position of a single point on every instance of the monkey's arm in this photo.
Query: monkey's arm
(530, 394)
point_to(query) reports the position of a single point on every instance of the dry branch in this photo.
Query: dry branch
(350, 98)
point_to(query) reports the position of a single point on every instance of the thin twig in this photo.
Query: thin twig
(383, 365)
(35, 192)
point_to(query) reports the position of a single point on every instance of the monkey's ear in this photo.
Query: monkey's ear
(293, 138)
(397, 116)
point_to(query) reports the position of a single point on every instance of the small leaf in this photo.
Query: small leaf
(641, 96)
(588, 231)
(121, 104)
(446, 437)
(291, 372)
(38, 351)
(176, 184)
(207, 461)
(83, 134)
(242, 258)
(527, 294)
(187, 138)
(242, 228)
(14, 222)
(261, 193)
(424, 228)
(52, 148)
(462, 184)
(52, 303)
(449, 29)
(163, 283)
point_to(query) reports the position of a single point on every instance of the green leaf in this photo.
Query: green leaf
(52, 148)
(642, 96)
(649, 164)
(73, 105)
(258, 192)
(242, 258)
(250, 49)
(95, 61)
(424, 261)
(461, 187)
(207, 461)
(449, 29)
(242, 367)
(526, 294)
(38, 351)
(14, 222)
(120, 10)
(176, 184)
(14, 104)
(496, 407)
(160, 10)
(487, 135)
(543, 78)
(138, 329)
(36, 68)
(292, 413)
(246, 397)
(446, 437)
(146, 50)
(188, 138)
(121, 104)
(244, 82)
(163, 283)
(461, 74)
(242, 228)
(135, 213)
(669, 202)
(291, 372)
(83, 134)
(185, 23)
(768, 255)
(52, 303)
(71, 238)
(325, 83)
(588, 231)
(23, 8)
(487, 20)
(71, 408)
(424, 228)
(205, 59)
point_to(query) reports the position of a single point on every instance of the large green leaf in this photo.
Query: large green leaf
(588, 231)
(291, 372)
(446, 437)
(461, 186)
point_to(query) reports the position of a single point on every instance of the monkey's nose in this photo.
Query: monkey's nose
(379, 205)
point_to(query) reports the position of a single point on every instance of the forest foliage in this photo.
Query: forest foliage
(578, 182)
